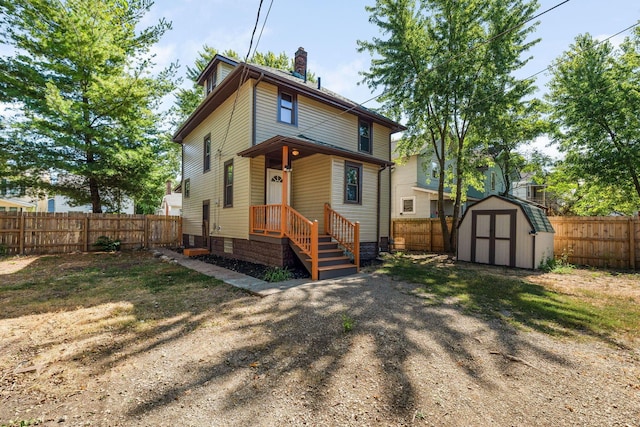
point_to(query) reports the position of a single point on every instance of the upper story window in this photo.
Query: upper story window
(228, 183)
(352, 183)
(364, 136)
(206, 161)
(287, 108)
(186, 188)
(211, 81)
(435, 171)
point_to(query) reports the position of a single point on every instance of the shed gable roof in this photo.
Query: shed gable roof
(536, 216)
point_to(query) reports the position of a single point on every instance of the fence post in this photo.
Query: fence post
(86, 233)
(145, 239)
(22, 234)
(430, 232)
(632, 243)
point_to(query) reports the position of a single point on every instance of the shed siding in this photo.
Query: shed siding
(525, 257)
(208, 186)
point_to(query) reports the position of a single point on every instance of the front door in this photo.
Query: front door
(274, 187)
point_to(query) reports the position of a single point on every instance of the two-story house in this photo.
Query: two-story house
(414, 183)
(274, 165)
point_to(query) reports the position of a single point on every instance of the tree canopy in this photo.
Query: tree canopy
(82, 87)
(442, 65)
(595, 98)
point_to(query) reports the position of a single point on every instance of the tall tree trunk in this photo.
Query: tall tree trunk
(96, 205)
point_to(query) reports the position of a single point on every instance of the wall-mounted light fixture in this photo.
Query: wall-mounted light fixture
(295, 152)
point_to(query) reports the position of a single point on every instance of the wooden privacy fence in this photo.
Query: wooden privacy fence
(418, 234)
(598, 241)
(595, 241)
(47, 233)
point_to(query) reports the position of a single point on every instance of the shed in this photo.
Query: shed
(505, 231)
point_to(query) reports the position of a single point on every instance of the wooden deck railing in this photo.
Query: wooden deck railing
(345, 232)
(304, 234)
(267, 220)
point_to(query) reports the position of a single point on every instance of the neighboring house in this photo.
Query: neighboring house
(171, 202)
(15, 199)
(414, 188)
(526, 189)
(270, 160)
(61, 204)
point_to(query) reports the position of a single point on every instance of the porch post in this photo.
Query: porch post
(285, 186)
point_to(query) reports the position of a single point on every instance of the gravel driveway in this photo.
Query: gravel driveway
(285, 359)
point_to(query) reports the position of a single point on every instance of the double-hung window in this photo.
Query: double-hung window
(228, 184)
(287, 108)
(364, 136)
(206, 161)
(352, 183)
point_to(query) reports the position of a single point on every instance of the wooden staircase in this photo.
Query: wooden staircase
(332, 262)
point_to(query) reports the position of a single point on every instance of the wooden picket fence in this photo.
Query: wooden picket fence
(608, 242)
(29, 233)
(598, 241)
(421, 235)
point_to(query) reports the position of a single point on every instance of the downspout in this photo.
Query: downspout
(253, 113)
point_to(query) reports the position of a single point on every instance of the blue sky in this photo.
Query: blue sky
(328, 30)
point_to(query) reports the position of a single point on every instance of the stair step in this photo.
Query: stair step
(332, 271)
(195, 251)
(329, 253)
(337, 260)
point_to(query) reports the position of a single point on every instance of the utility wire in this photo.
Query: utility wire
(243, 77)
(551, 65)
(471, 49)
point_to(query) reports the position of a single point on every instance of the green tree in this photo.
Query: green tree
(508, 127)
(595, 99)
(441, 65)
(81, 80)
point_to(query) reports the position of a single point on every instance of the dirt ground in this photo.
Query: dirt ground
(286, 360)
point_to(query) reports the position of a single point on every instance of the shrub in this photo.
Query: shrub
(277, 274)
(107, 244)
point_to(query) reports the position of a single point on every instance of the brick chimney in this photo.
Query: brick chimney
(300, 63)
(168, 188)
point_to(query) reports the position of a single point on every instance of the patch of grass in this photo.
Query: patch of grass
(61, 282)
(519, 302)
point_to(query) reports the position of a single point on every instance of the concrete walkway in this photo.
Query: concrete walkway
(239, 280)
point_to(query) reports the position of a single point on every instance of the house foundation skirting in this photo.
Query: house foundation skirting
(263, 250)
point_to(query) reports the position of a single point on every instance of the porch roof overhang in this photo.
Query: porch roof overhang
(272, 148)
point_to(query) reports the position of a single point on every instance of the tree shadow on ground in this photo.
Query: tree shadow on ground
(241, 352)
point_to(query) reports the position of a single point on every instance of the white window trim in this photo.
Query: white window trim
(402, 211)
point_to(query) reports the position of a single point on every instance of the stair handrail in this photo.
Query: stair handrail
(304, 234)
(343, 231)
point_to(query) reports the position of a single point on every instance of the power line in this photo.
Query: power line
(471, 49)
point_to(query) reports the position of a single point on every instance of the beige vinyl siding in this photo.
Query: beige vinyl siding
(381, 142)
(314, 120)
(310, 187)
(233, 221)
(366, 212)
(223, 71)
(385, 202)
(258, 187)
